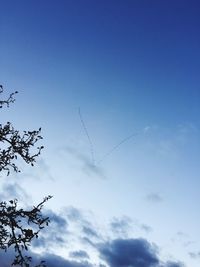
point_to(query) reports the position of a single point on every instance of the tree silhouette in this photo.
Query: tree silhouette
(18, 227)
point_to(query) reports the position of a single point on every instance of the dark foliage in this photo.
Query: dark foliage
(18, 227)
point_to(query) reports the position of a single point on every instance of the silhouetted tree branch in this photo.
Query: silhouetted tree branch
(7, 101)
(17, 145)
(18, 227)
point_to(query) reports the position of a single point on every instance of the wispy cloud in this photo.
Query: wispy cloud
(171, 142)
(85, 224)
(55, 235)
(124, 226)
(80, 254)
(194, 255)
(121, 226)
(86, 165)
(172, 264)
(89, 231)
(41, 170)
(146, 228)
(154, 198)
(13, 191)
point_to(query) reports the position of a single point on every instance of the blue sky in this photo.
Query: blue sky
(130, 67)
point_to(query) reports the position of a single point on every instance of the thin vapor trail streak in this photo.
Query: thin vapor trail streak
(117, 146)
(88, 136)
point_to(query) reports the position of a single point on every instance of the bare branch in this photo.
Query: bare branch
(15, 145)
(9, 100)
(18, 227)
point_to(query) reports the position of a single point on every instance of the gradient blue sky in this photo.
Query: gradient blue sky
(131, 67)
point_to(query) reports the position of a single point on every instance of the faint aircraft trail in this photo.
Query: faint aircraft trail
(88, 136)
(117, 146)
(107, 154)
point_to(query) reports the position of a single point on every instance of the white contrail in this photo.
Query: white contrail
(117, 146)
(107, 154)
(88, 136)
